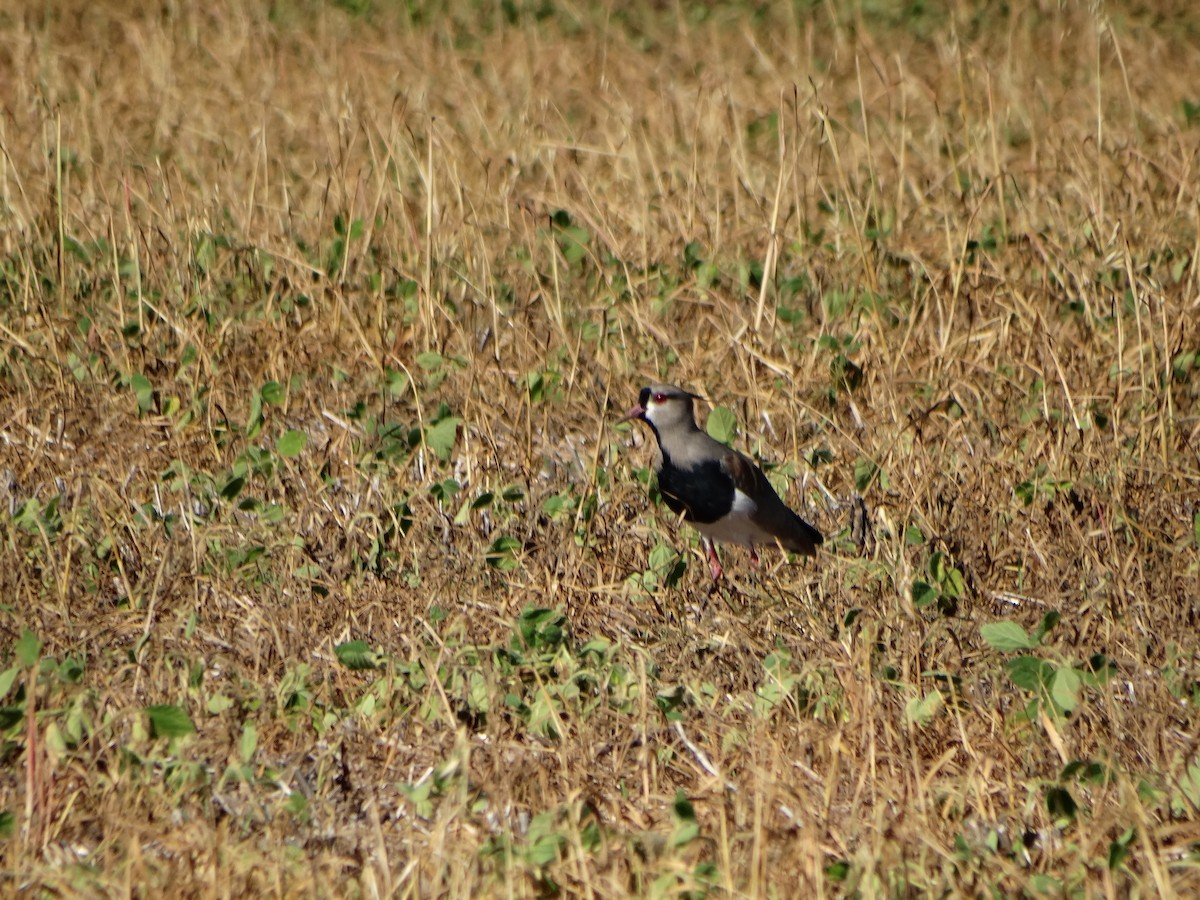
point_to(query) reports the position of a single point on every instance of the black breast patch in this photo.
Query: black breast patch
(703, 493)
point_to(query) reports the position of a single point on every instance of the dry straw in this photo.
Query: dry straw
(328, 573)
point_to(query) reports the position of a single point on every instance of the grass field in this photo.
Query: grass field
(329, 571)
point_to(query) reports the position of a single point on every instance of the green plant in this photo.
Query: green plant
(1053, 688)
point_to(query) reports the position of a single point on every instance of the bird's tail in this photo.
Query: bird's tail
(805, 538)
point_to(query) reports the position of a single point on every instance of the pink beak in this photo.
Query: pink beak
(638, 412)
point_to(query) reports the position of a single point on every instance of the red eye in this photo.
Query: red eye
(660, 397)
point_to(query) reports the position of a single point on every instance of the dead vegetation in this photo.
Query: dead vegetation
(327, 571)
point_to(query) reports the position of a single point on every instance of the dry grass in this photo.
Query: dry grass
(945, 265)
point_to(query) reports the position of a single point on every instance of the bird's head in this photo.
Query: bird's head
(664, 407)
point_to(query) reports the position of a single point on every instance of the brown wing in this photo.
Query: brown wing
(773, 514)
(747, 477)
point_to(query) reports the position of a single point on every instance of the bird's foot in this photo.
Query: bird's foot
(753, 557)
(714, 564)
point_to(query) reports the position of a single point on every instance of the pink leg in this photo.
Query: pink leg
(753, 557)
(714, 564)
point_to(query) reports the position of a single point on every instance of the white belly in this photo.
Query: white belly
(738, 527)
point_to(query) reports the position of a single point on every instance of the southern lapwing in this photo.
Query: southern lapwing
(718, 490)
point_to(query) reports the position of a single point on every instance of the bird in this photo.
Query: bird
(718, 490)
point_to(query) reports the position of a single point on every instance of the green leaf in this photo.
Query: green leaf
(357, 655)
(541, 628)
(722, 425)
(670, 700)
(292, 443)
(249, 742)
(502, 553)
(272, 392)
(845, 372)
(1099, 670)
(1025, 492)
(169, 721)
(838, 870)
(233, 487)
(1049, 620)
(1031, 673)
(1119, 849)
(544, 840)
(953, 584)
(70, 671)
(430, 360)
(1094, 773)
(537, 387)
(419, 796)
(1045, 885)
(661, 557)
(1060, 804)
(864, 473)
(27, 648)
(923, 594)
(445, 491)
(1189, 786)
(479, 696)
(255, 419)
(440, 437)
(921, 710)
(777, 663)
(572, 238)
(1065, 687)
(7, 678)
(685, 833)
(397, 382)
(143, 390)
(463, 516)
(559, 503)
(687, 829)
(78, 368)
(1007, 636)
